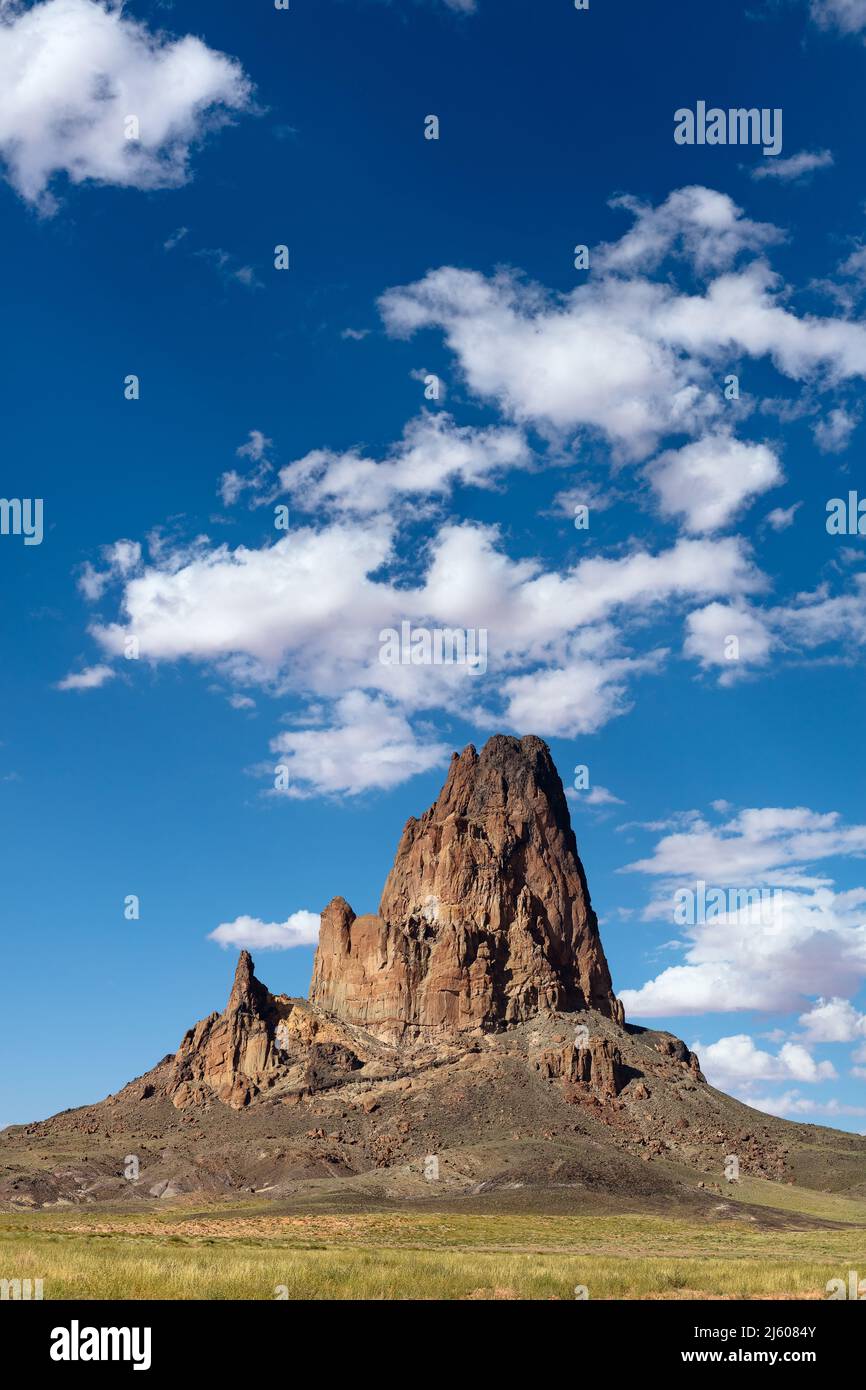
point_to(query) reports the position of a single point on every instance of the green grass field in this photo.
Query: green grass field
(223, 1252)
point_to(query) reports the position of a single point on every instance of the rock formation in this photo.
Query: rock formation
(471, 1019)
(227, 1053)
(597, 1065)
(260, 1039)
(485, 918)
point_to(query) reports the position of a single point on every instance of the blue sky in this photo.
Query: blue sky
(304, 388)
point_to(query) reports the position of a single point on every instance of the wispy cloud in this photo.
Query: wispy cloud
(794, 169)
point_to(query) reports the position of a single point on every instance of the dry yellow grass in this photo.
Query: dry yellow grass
(213, 1253)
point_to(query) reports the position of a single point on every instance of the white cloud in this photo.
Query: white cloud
(71, 74)
(735, 1062)
(809, 621)
(792, 1104)
(91, 678)
(578, 698)
(631, 360)
(121, 559)
(780, 518)
(623, 356)
(700, 224)
(833, 1020)
(370, 746)
(833, 434)
(305, 615)
(257, 450)
(309, 608)
(306, 594)
(847, 15)
(709, 481)
(248, 933)
(433, 454)
(797, 166)
(592, 361)
(813, 945)
(759, 846)
(601, 796)
(710, 631)
(811, 942)
(740, 312)
(730, 637)
(816, 618)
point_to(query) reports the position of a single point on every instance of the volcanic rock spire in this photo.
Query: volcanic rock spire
(485, 918)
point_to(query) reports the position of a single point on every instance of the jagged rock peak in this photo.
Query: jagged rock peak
(485, 918)
(248, 993)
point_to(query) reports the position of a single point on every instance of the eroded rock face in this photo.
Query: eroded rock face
(676, 1049)
(485, 918)
(229, 1053)
(259, 1042)
(598, 1066)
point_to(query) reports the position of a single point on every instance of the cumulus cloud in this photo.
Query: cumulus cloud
(73, 73)
(628, 360)
(626, 357)
(815, 943)
(578, 698)
(833, 1020)
(631, 359)
(310, 607)
(370, 745)
(306, 615)
(709, 481)
(600, 796)
(811, 945)
(735, 1062)
(248, 933)
(815, 618)
(591, 361)
(728, 636)
(810, 621)
(433, 454)
(260, 604)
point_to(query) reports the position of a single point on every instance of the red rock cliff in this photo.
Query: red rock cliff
(485, 918)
